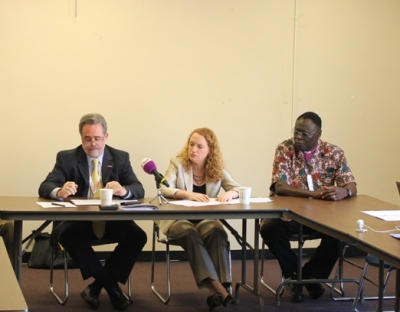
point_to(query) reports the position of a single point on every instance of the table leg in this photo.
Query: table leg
(379, 308)
(256, 260)
(244, 251)
(397, 291)
(300, 261)
(17, 255)
(243, 283)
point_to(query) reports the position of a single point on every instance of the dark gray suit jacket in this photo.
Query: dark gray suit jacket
(72, 165)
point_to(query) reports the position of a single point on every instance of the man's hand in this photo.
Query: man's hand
(117, 188)
(283, 189)
(69, 188)
(333, 193)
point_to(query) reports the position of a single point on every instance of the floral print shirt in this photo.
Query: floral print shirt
(327, 166)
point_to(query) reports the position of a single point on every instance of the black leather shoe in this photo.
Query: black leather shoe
(90, 297)
(295, 291)
(214, 301)
(315, 290)
(119, 300)
(228, 299)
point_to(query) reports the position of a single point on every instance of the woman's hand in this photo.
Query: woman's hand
(228, 196)
(198, 197)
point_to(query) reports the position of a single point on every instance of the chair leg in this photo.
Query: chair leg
(129, 289)
(230, 290)
(167, 243)
(386, 283)
(66, 293)
(64, 300)
(153, 256)
(340, 276)
(359, 295)
(262, 280)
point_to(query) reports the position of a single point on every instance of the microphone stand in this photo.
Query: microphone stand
(159, 195)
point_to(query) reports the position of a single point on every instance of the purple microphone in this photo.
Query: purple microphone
(150, 167)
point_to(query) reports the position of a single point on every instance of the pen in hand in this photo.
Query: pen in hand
(57, 204)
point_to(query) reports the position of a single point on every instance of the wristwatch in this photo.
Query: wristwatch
(349, 193)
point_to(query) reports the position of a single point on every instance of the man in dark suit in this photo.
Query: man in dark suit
(72, 175)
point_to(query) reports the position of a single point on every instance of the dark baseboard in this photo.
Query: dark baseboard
(180, 255)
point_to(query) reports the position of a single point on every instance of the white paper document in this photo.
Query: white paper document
(213, 201)
(55, 204)
(387, 215)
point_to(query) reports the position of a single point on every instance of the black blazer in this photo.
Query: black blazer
(72, 165)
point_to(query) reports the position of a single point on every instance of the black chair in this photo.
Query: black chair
(167, 242)
(339, 274)
(372, 261)
(64, 300)
(294, 238)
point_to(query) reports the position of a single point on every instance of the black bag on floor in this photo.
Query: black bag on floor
(41, 254)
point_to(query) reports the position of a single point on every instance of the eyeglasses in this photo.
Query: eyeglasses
(304, 134)
(89, 140)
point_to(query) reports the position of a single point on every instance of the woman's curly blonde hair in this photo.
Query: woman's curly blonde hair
(214, 160)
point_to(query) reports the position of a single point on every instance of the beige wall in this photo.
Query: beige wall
(158, 69)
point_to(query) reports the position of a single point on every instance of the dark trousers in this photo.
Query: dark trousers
(276, 234)
(76, 237)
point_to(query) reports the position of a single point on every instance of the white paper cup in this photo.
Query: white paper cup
(106, 196)
(244, 194)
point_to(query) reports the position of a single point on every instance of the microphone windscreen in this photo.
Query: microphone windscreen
(148, 165)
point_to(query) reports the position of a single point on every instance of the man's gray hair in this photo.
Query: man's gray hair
(93, 119)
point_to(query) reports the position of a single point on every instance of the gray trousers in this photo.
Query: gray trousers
(206, 244)
(7, 232)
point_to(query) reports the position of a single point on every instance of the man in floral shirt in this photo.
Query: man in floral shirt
(306, 166)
